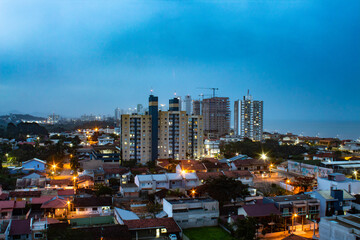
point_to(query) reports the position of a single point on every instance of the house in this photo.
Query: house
(93, 205)
(338, 181)
(333, 201)
(190, 166)
(117, 172)
(106, 153)
(152, 228)
(122, 215)
(244, 176)
(259, 209)
(340, 227)
(85, 181)
(66, 193)
(24, 195)
(11, 208)
(153, 182)
(105, 139)
(301, 204)
(192, 212)
(27, 183)
(20, 229)
(56, 207)
(130, 190)
(251, 164)
(60, 183)
(34, 164)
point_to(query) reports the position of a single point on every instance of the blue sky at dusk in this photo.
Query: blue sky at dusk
(75, 57)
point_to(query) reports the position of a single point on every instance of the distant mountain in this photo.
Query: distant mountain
(19, 117)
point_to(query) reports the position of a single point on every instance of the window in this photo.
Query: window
(94, 209)
(38, 235)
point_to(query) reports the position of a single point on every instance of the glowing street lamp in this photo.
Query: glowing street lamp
(271, 166)
(294, 216)
(263, 156)
(193, 192)
(355, 173)
(287, 183)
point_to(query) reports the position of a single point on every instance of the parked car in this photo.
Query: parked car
(172, 237)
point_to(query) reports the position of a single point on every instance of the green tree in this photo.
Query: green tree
(225, 189)
(101, 189)
(245, 229)
(153, 208)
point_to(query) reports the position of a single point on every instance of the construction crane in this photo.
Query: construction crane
(213, 89)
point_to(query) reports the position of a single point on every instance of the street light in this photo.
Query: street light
(355, 173)
(287, 183)
(294, 216)
(271, 165)
(263, 156)
(193, 192)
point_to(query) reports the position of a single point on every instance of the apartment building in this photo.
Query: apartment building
(136, 137)
(248, 118)
(216, 114)
(192, 212)
(302, 205)
(178, 135)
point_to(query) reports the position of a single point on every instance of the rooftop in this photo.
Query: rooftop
(190, 200)
(167, 223)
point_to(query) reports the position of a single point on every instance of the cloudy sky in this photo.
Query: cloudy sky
(74, 57)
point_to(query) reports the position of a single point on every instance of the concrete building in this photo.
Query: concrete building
(196, 108)
(333, 201)
(216, 114)
(338, 181)
(178, 136)
(187, 105)
(340, 227)
(190, 212)
(303, 205)
(249, 118)
(136, 138)
(154, 182)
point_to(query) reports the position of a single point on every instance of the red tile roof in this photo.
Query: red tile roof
(192, 165)
(261, 210)
(7, 204)
(167, 223)
(55, 203)
(65, 192)
(295, 237)
(41, 200)
(19, 227)
(249, 162)
(61, 182)
(19, 204)
(238, 173)
(207, 175)
(25, 194)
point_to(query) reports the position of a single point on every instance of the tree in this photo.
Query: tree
(101, 189)
(153, 208)
(245, 229)
(74, 163)
(304, 183)
(225, 189)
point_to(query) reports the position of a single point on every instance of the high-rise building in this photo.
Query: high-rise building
(140, 109)
(187, 103)
(196, 107)
(174, 104)
(161, 134)
(236, 118)
(216, 113)
(250, 118)
(153, 112)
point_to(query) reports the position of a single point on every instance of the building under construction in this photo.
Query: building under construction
(216, 114)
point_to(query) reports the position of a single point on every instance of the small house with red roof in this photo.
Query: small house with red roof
(152, 228)
(56, 207)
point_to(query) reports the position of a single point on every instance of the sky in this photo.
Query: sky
(301, 57)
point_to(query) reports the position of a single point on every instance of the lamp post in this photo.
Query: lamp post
(355, 173)
(271, 165)
(294, 216)
(287, 183)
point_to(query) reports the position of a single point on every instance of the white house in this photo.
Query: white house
(340, 182)
(340, 227)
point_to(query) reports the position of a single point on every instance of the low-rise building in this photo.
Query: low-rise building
(34, 164)
(340, 227)
(338, 181)
(333, 201)
(302, 204)
(92, 206)
(130, 190)
(192, 212)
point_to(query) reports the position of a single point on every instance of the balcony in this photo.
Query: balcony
(286, 214)
(301, 213)
(314, 211)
